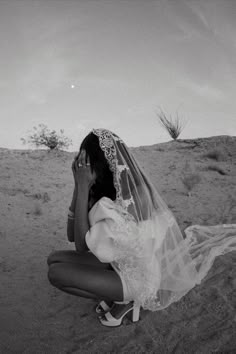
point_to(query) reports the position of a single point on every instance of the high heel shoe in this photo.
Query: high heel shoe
(110, 321)
(102, 307)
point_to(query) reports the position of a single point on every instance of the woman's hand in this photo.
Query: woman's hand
(81, 157)
(82, 171)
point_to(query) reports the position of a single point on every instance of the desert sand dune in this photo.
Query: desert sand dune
(35, 191)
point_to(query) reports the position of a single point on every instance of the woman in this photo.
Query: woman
(130, 252)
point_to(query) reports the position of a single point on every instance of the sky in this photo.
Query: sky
(114, 64)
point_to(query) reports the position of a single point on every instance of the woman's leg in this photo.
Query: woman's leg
(86, 280)
(76, 258)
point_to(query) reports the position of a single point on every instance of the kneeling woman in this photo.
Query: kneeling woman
(129, 251)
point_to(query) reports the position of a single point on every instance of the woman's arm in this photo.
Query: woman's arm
(70, 220)
(84, 179)
(81, 222)
(73, 202)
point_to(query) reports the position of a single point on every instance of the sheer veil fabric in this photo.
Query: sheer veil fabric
(154, 258)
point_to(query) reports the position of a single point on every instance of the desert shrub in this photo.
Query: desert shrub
(37, 209)
(214, 154)
(173, 126)
(42, 136)
(189, 178)
(190, 181)
(217, 169)
(227, 210)
(42, 196)
(224, 212)
(3, 235)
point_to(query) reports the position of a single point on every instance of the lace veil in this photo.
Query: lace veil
(154, 258)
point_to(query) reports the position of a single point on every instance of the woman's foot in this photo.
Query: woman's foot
(114, 317)
(104, 306)
(118, 310)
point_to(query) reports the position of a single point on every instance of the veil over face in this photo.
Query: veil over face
(150, 251)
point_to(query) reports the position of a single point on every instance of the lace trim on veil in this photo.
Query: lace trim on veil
(107, 145)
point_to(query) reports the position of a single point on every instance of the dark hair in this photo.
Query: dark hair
(104, 186)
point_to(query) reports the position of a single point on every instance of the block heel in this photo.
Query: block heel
(109, 320)
(135, 313)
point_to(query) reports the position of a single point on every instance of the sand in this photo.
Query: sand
(35, 191)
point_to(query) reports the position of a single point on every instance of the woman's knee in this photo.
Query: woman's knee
(54, 257)
(54, 275)
(50, 258)
(68, 256)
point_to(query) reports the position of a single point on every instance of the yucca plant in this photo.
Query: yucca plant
(173, 126)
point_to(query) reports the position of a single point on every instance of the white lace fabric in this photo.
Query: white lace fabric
(154, 258)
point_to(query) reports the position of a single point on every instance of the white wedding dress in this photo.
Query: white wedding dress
(139, 236)
(156, 272)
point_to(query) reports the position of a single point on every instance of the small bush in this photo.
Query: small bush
(227, 211)
(173, 126)
(44, 196)
(190, 181)
(214, 154)
(25, 191)
(37, 209)
(189, 178)
(223, 213)
(42, 136)
(3, 236)
(217, 169)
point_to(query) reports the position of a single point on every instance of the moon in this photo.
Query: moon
(72, 86)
